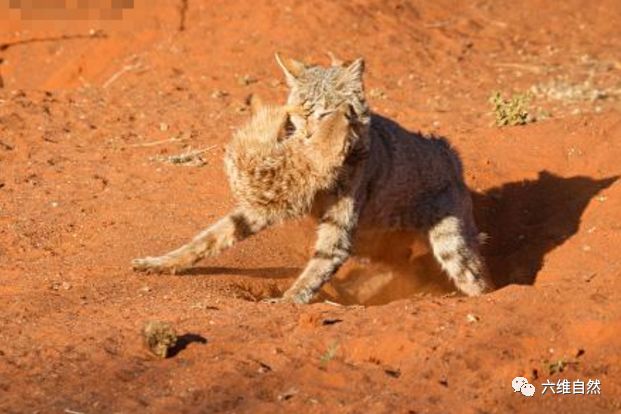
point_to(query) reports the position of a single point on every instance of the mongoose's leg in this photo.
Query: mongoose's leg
(457, 251)
(332, 248)
(223, 234)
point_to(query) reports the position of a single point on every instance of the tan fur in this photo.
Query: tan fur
(277, 175)
(327, 154)
(273, 176)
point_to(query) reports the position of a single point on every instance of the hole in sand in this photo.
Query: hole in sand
(388, 266)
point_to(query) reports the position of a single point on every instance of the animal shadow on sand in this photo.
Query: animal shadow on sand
(183, 341)
(527, 219)
(271, 272)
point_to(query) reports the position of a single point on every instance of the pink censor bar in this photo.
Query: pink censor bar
(68, 9)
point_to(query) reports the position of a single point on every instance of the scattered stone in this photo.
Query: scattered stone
(472, 318)
(395, 373)
(60, 285)
(563, 90)
(287, 395)
(159, 337)
(264, 368)
(6, 146)
(377, 93)
(242, 108)
(246, 80)
(219, 94)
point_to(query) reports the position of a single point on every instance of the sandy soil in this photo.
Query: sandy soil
(88, 111)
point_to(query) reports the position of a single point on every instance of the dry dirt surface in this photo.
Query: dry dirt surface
(92, 115)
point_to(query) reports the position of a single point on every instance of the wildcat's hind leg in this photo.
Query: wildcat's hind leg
(456, 248)
(224, 233)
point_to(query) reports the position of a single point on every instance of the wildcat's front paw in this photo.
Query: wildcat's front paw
(162, 264)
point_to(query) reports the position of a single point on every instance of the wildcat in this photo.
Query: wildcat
(369, 172)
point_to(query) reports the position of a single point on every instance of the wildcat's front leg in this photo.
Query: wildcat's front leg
(333, 246)
(238, 225)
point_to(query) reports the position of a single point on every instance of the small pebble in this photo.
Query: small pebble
(472, 318)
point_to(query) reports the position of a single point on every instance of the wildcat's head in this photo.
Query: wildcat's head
(321, 90)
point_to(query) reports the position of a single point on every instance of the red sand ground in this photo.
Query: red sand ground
(80, 196)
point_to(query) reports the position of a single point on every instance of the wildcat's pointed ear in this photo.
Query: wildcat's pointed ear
(356, 68)
(291, 67)
(352, 72)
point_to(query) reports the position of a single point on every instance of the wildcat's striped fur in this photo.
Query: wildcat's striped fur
(349, 168)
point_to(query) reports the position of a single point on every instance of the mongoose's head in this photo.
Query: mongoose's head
(321, 90)
(279, 172)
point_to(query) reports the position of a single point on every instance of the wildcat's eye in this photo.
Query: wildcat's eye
(323, 114)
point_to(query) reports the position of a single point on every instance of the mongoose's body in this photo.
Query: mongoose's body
(347, 167)
(278, 172)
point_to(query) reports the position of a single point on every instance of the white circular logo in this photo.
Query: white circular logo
(520, 384)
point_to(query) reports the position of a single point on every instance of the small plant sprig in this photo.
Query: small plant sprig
(513, 111)
(329, 354)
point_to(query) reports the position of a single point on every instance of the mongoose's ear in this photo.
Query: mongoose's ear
(291, 67)
(334, 61)
(256, 103)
